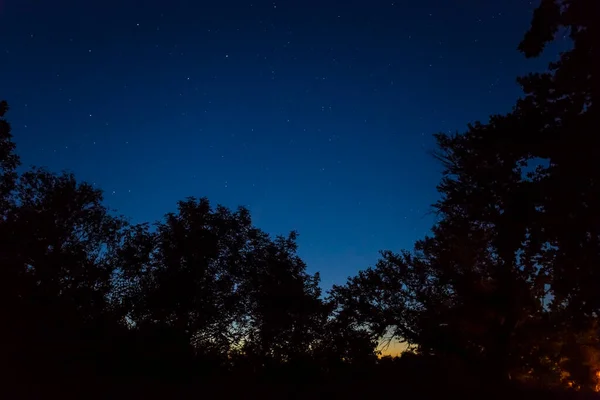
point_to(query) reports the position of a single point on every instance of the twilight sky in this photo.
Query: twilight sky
(317, 115)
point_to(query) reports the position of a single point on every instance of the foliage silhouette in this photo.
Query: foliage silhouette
(500, 299)
(509, 276)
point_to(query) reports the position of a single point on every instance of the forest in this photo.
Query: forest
(502, 297)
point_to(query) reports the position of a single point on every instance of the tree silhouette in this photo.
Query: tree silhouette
(545, 227)
(504, 288)
(56, 245)
(285, 308)
(187, 276)
(515, 253)
(223, 286)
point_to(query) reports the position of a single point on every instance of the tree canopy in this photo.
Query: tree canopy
(509, 274)
(504, 288)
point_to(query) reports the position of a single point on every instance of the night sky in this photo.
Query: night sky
(317, 115)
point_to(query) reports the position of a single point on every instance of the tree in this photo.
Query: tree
(185, 275)
(285, 309)
(222, 284)
(442, 299)
(513, 259)
(56, 246)
(545, 227)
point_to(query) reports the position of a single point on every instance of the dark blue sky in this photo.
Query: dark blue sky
(317, 115)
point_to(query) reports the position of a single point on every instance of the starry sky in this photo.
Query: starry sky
(316, 115)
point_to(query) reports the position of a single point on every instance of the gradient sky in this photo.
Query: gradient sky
(317, 115)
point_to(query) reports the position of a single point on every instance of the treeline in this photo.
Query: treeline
(505, 290)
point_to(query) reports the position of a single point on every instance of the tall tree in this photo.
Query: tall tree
(545, 227)
(285, 308)
(518, 243)
(225, 286)
(185, 274)
(56, 245)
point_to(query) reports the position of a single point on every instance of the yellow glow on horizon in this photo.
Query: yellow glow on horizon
(394, 349)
